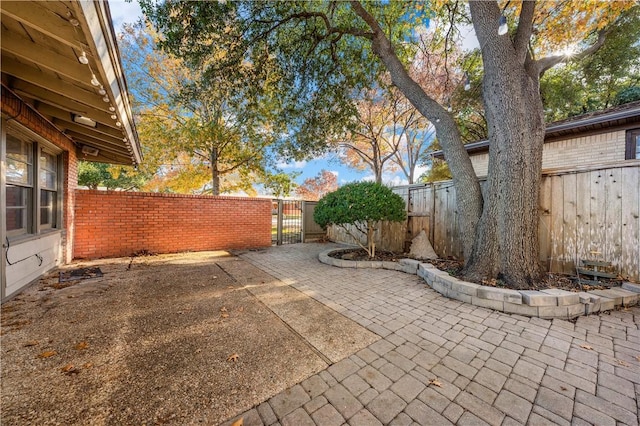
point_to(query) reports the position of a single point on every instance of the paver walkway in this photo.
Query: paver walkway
(441, 361)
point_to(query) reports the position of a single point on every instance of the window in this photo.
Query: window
(632, 151)
(48, 177)
(31, 187)
(19, 185)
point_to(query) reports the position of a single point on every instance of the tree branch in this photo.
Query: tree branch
(525, 28)
(544, 64)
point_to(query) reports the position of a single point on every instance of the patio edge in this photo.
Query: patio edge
(546, 304)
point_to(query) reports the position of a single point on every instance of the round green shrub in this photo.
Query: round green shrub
(359, 202)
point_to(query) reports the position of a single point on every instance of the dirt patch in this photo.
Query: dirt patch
(454, 268)
(361, 254)
(173, 339)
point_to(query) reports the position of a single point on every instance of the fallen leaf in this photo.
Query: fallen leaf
(82, 346)
(87, 365)
(229, 286)
(223, 315)
(435, 382)
(239, 422)
(47, 354)
(638, 357)
(233, 357)
(223, 309)
(31, 343)
(586, 347)
(621, 362)
(69, 369)
(563, 388)
(241, 309)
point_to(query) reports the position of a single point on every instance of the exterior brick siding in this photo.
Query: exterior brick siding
(582, 151)
(15, 109)
(113, 224)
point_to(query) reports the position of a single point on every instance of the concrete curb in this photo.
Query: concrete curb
(547, 304)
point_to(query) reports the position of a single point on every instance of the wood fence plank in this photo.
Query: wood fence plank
(583, 208)
(544, 225)
(439, 229)
(630, 207)
(569, 237)
(557, 207)
(454, 225)
(613, 207)
(598, 216)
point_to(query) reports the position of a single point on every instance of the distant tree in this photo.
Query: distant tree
(374, 138)
(101, 175)
(312, 189)
(362, 205)
(280, 184)
(199, 135)
(627, 95)
(600, 80)
(438, 171)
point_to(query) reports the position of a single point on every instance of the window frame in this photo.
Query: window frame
(54, 191)
(28, 218)
(631, 148)
(33, 210)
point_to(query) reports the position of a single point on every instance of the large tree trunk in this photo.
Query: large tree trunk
(499, 231)
(506, 240)
(215, 173)
(468, 193)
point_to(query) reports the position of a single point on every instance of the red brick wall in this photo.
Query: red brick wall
(112, 224)
(15, 109)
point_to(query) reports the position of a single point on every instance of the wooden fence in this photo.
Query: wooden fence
(584, 214)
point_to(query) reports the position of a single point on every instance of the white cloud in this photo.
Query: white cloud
(394, 180)
(419, 171)
(294, 165)
(335, 172)
(387, 179)
(122, 12)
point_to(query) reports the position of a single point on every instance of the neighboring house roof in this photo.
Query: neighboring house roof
(61, 58)
(616, 118)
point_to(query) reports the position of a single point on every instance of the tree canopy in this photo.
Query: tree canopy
(604, 79)
(322, 52)
(197, 131)
(312, 189)
(113, 177)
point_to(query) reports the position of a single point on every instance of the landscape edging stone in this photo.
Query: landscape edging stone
(547, 304)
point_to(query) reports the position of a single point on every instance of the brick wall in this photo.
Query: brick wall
(112, 224)
(582, 151)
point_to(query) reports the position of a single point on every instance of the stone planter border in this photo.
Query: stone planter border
(547, 304)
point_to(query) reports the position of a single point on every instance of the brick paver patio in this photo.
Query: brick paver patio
(440, 361)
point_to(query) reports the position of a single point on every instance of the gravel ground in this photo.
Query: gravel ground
(171, 339)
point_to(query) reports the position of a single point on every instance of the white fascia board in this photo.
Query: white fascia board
(101, 34)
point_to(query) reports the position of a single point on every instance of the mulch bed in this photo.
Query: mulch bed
(454, 268)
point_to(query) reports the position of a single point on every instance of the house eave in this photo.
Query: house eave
(618, 119)
(98, 23)
(51, 52)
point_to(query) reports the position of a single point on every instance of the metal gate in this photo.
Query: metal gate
(286, 222)
(292, 222)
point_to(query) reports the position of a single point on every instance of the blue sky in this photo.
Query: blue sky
(128, 12)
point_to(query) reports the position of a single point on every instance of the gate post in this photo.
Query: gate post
(303, 216)
(280, 220)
